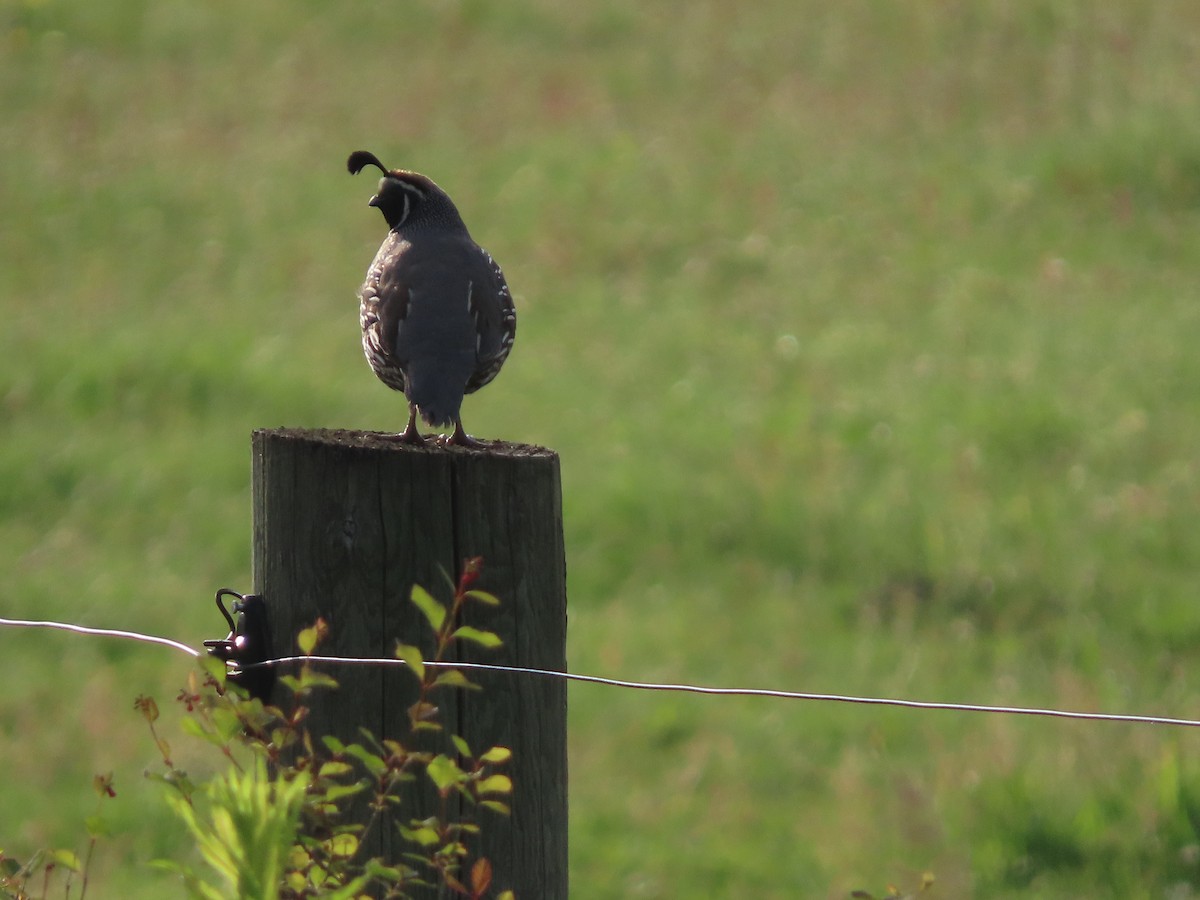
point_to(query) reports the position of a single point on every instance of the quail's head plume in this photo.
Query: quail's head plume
(437, 316)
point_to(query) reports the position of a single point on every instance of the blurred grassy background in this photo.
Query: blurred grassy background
(866, 331)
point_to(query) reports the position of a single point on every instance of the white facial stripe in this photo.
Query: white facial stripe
(406, 186)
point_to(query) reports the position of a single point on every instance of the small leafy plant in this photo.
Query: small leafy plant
(49, 870)
(281, 823)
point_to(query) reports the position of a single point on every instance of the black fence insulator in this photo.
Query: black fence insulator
(249, 641)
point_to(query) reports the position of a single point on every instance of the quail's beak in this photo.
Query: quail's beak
(374, 201)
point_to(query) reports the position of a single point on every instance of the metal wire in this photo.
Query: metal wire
(752, 692)
(103, 632)
(634, 685)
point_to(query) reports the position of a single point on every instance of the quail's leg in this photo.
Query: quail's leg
(410, 435)
(460, 438)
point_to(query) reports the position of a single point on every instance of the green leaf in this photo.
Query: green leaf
(338, 791)
(412, 658)
(423, 835)
(176, 779)
(497, 755)
(448, 578)
(453, 678)
(66, 858)
(310, 678)
(496, 806)
(227, 723)
(391, 874)
(215, 667)
(461, 745)
(495, 784)
(332, 744)
(486, 639)
(295, 881)
(483, 597)
(193, 728)
(372, 741)
(291, 682)
(395, 748)
(334, 768)
(444, 772)
(433, 611)
(342, 845)
(375, 765)
(97, 826)
(307, 640)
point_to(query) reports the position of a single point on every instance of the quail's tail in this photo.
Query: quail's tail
(436, 385)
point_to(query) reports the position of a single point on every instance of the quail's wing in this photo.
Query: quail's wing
(385, 302)
(495, 320)
(394, 300)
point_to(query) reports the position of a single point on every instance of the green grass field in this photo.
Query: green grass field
(867, 333)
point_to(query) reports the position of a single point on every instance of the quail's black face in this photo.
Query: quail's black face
(397, 199)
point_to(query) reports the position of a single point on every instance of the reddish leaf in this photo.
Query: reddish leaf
(481, 877)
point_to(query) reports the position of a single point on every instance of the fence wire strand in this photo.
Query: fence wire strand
(628, 684)
(103, 632)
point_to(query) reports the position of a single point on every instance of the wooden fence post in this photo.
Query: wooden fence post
(345, 523)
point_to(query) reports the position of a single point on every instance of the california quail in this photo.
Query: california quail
(437, 317)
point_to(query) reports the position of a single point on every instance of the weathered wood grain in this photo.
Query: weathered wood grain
(346, 522)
